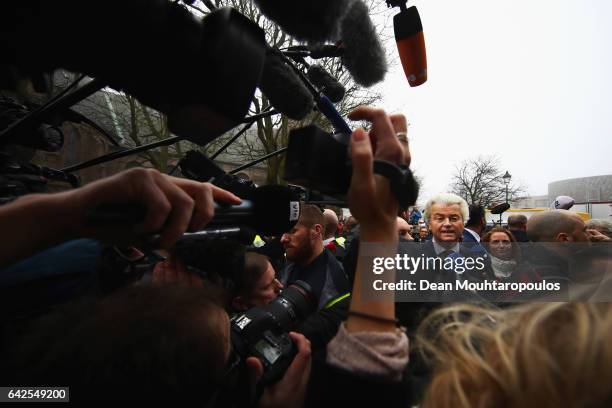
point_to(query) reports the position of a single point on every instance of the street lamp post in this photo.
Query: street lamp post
(506, 177)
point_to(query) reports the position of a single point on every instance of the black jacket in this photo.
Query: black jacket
(323, 325)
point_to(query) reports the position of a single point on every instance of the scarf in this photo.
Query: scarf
(502, 268)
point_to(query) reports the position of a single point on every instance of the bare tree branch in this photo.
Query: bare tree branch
(479, 181)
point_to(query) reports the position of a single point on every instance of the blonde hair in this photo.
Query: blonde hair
(539, 354)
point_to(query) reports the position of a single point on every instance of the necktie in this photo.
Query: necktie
(446, 254)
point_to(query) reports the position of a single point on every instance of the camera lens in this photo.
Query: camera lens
(293, 305)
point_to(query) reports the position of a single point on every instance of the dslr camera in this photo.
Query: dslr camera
(263, 331)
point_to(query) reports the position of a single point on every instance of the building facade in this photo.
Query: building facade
(592, 195)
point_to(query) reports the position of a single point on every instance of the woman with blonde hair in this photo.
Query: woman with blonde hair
(532, 355)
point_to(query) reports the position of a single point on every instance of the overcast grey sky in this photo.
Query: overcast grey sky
(525, 80)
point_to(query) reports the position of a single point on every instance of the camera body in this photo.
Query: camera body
(263, 331)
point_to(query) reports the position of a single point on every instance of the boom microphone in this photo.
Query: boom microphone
(271, 210)
(326, 83)
(204, 83)
(285, 90)
(411, 45)
(364, 56)
(313, 20)
(499, 208)
(318, 51)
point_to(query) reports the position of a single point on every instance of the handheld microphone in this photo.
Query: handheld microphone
(364, 56)
(239, 234)
(285, 90)
(326, 83)
(411, 45)
(312, 21)
(271, 210)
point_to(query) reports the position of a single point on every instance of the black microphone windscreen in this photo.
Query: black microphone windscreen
(284, 88)
(277, 209)
(364, 55)
(326, 83)
(312, 20)
(499, 208)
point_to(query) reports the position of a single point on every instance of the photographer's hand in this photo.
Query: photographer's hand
(290, 391)
(172, 206)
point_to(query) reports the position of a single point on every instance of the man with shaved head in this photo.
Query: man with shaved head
(557, 226)
(330, 220)
(561, 251)
(330, 241)
(403, 230)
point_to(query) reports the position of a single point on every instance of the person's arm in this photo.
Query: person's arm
(373, 204)
(369, 342)
(172, 205)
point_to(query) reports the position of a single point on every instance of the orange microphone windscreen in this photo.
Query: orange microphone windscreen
(411, 45)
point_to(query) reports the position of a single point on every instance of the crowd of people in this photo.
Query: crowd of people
(163, 333)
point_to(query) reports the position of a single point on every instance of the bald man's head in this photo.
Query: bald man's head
(403, 229)
(331, 223)
(556, 226)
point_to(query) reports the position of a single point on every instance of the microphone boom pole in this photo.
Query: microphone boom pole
(56, 105)
(254, 162)
(116, 155)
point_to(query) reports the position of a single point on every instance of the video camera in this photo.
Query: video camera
(319, 160)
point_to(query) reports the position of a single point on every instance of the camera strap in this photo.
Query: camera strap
(403, 184)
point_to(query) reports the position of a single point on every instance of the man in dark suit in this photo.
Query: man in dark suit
(517, 225)
(475, 225)
(446, 258)
(474, 228)
(446, 215)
